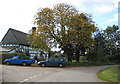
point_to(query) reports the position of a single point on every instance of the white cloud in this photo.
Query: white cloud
(98, 7)
(97, 0)
(102, 8)
(115, 18)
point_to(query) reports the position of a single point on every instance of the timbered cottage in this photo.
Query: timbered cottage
(14, 40)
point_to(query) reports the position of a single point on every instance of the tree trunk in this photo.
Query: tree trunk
(69, 54)
(49, 54)
(77, 55)
(68, 51)
(83, 51)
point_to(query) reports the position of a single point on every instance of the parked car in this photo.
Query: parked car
(19, 60)
(53, 62)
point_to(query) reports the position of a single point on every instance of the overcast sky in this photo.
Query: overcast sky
(19, 14)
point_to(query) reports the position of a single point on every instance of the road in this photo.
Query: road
(50, 74)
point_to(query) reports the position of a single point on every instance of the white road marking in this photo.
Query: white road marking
(29, 78)
(25, 79)
(34, 76)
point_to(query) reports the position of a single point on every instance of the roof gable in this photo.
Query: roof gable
(15, 37)
(9, 38)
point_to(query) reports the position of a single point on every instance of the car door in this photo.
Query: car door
(50, 62)
(14, 60)
(56, 62)
(19, 61)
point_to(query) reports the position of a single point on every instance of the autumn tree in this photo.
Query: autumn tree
(84, 28)
(41, 38)
(65, 26)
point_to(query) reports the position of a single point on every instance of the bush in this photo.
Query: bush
(57, 55)
(40, 59)
(77, 64)
(36, 58)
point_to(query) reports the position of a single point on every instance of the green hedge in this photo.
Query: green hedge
(39, 59)
(10, 55)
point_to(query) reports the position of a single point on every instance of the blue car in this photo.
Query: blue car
(19, 60)
(61, 62)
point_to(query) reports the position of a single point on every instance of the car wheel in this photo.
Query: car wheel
(24, 64)
(7, 63)
(60, 65)
(43, 65)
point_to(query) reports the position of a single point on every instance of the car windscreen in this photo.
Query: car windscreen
(14, 57)
(59, 59)
(51, 60)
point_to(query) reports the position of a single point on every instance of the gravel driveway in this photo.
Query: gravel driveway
(50, 74)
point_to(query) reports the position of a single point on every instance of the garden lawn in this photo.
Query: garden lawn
(110, 74)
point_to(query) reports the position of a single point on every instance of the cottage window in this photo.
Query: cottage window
(13, 44)
(7, 45)
(17, 45)
(10, 45)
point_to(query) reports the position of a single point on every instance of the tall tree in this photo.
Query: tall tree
(84, 28)
(42, 39)
(112, 35)
(100, 47)
(63, 25)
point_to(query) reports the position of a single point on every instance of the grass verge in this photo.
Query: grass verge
(110, 74)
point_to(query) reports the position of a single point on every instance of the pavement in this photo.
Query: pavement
(22, 74)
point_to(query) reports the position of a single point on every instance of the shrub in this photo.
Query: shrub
(57, 55)
(36, 58)
(39, 59)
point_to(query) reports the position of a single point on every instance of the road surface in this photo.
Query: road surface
(21, 74)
